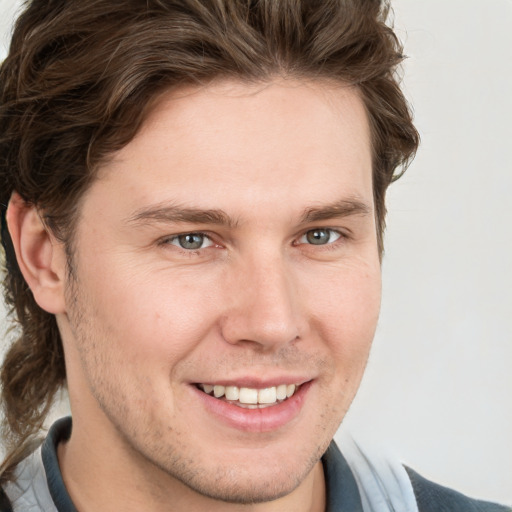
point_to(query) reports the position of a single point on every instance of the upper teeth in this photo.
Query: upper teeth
(251, 395)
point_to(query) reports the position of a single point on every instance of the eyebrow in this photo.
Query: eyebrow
(175, 214)
(339, 209)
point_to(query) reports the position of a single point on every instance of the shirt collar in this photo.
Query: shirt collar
(342, 494)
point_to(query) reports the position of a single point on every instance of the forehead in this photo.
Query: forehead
(280, 143)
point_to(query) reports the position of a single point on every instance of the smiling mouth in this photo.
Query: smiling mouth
(250, 398)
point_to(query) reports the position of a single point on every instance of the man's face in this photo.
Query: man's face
(233, 244)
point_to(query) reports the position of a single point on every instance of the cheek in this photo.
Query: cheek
(155, 317)
(348, 301)
(345, 312)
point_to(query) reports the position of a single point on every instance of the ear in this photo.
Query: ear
(41, 258)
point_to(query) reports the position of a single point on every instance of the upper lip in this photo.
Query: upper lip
(256, 382)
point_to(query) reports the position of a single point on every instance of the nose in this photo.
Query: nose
(264, 309)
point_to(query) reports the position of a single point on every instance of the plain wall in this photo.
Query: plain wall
(438, 384)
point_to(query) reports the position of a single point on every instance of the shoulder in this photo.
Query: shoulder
(36, 483)
(5, 504)
(28, 489)
(383, 483)
(432, 497)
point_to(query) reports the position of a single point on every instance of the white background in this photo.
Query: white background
(439, 381)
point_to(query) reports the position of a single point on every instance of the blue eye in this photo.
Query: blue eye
(320, 236)
(191, 241)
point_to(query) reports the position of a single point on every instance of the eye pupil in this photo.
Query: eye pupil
(191, 241)
(318, 236)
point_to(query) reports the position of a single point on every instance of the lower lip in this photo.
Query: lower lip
(265, 419)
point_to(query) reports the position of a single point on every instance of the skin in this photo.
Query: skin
(144, 319)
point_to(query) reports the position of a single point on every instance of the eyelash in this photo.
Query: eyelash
(330, 231)
(330, 244)
(174, 238)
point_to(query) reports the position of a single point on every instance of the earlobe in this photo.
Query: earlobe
(40, 256)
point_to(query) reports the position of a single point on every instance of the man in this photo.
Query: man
(194, 208)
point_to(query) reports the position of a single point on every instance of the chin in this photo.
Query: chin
(248, 488)
(247, 479)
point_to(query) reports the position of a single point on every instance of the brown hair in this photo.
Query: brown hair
(79, 80)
